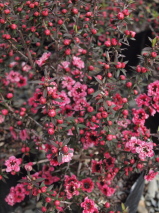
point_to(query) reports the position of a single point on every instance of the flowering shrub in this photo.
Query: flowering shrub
(64, 60)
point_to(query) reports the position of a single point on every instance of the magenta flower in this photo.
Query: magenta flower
(22, 81)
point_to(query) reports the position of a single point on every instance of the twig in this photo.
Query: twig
(12, 110)
(27, 49)
(34, 163)
(15, 48)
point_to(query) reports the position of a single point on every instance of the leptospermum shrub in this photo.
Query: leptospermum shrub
(65, 96)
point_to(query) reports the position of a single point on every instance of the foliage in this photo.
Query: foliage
(64, 60)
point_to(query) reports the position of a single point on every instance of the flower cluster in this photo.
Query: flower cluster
(142, 148)
(66, 98)
(16, 194)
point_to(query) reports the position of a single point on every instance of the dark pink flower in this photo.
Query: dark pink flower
(22, 81)
(96, 166)
(87, 185)
(107, 191)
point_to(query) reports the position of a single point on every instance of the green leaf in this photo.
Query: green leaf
(154, 41)
(39, 180)
(66, 141)
(55, 144)
(96, 93)
(99, 81)
(123, 206)
(81, 125)
(50, 188)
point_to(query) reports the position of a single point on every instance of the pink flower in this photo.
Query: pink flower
(78, 91)
(151, 175)
(145, 150)
(69, 179)
(152, 111)
(63, 65)
(12, 164)
(88, 205)
(14, 135)
(76, 61)
(156, 103)
(96, 166)
(22, 81)
(23, 135)
(25, 67)
(87, 185)
(71, 186)
(2, 118)
(72, 189)
(139, 116)
(109, 161)
(132, 144)
(124, 123)
(118, 101)
(142, 130)
(16, 194)
(142, 148)
(153, 88)
(52, 88)
(41, 61)
(68, 157)
(67, 82)
(28, 166)
(70, 132)
(143, 99)
(80, 104)
(107, 191)
(13, 77)
(10, 199)
(64, 99)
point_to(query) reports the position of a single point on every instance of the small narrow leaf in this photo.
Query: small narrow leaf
(55, 144)
(59, 158)
(66, 141)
